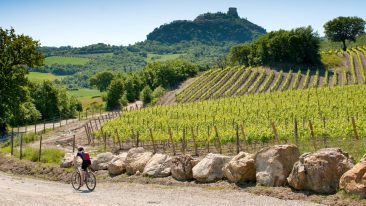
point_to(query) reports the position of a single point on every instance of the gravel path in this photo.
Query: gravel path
(25, 191)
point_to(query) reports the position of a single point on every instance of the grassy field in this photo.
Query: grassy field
(88, 96)
(156, 57)
(39, 77)
(66, 60)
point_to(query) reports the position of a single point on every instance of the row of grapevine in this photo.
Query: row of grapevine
(307, 79)
(344, 77)
(257, 82)
(277, 82)
(316, 79)
(360, 63)
(297, 80)
(335, 79)
(267, 82)
(326, 79)
(353, 69)
(287, 81)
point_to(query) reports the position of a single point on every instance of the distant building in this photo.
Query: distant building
(233, 12)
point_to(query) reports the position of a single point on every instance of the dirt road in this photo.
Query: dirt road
(25, 191)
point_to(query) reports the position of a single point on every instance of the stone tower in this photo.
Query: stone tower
(233, 12)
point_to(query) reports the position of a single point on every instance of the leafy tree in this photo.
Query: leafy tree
(157, 93)
(114, 93)
(27, 113)
(46, 98)
(133, 84)
(16, 52)
(221, 62)
(102, 80)
(123, 101)
(169, 73)
(53, 101)
(77, 105)
(344, 28)
(239, 54)
(146, 95)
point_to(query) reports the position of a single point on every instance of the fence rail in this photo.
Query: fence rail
(19, 136)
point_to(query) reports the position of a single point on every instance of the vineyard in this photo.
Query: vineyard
(311, 118)
(237, 81)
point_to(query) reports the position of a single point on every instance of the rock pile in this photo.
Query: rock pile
(323, 171)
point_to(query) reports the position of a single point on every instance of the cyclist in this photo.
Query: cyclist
(85, 164)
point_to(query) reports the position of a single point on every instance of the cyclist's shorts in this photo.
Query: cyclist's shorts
(85, 164)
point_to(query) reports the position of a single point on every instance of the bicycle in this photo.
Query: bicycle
(90, 180)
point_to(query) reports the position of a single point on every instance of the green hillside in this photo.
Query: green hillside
(163, 57)
(64, 60)
(39, 77)
(88, 97)
(209, 27)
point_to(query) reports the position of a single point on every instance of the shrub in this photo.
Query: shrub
(123, 101)
(146, 95)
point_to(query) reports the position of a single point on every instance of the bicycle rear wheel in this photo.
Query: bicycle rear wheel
(91, 181)
(76, 180)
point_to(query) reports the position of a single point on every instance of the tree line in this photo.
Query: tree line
(146, 85)
(21, 101)
(298, 46)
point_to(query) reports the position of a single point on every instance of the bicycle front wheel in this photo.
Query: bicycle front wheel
(91, 181)
(76, 180)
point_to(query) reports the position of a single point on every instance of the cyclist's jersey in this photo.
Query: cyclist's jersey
(83, 155)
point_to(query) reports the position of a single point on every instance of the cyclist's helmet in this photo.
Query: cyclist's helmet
(80, 149)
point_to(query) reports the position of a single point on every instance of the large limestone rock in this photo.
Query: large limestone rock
(320, 171)
(274, 164)
(354, 180)
(136, 160)
(117, 165)
(209, 169)
(158, 166)
(241, 168)
(67, 161)
(101, 161)
(182, 167)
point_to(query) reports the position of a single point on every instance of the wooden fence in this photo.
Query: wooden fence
(190, 145)
(93, 121)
